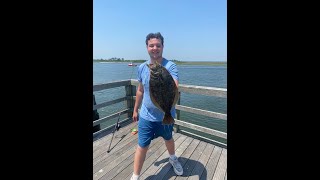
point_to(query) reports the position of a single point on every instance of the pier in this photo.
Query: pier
(201, 157)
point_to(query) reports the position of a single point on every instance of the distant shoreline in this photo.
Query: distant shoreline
(206, 63)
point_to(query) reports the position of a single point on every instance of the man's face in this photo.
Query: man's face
(155, 48)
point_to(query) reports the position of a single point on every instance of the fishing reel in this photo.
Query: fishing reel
(118, 126)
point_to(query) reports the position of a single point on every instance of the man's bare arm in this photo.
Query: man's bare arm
(139, 96)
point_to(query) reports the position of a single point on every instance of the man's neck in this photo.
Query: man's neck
(159, 60)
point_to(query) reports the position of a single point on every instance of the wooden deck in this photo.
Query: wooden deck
(200, 160)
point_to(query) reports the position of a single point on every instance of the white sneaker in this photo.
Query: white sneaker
(176, 166)
(134, 178)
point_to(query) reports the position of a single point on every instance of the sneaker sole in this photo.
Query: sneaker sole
(177, 173)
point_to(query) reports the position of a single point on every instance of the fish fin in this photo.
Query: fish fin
(167, 119)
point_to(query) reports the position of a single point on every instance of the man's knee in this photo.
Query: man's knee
(169, 140)
(142, 149)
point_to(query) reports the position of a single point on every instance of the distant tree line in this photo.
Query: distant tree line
(115, 59)
(178, 62)
(110, 59)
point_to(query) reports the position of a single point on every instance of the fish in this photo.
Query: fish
(164, 92)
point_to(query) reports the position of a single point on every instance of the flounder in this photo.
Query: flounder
(163, 90)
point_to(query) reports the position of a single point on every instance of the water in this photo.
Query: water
(211, 76)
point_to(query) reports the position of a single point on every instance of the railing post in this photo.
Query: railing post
(130, 92)
(176, 127)
(95, 116)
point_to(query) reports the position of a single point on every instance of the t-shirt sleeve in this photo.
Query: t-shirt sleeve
(174, 71)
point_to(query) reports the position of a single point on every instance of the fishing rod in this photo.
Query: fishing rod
(116, 128)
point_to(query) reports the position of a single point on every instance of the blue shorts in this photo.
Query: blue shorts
(148, 130)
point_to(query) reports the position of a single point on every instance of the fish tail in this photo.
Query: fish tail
(168, 119)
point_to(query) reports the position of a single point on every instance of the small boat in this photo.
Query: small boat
(131, 64)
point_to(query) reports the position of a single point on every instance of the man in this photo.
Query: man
(150, 117)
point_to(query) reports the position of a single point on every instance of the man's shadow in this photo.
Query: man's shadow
(190, 168)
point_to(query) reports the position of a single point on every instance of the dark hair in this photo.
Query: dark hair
(154, 35)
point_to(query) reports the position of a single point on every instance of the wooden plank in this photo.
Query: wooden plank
(202, 162)
(106, 158)
(201, 128)
(116, 170)
(100, 145)
(212, 164)
(201, 112)
(167, 171)
(129, 169)
(104, 104)
(221, 169)
(115, 146)
(99, 87)
(121, 147)
(151, 171)
(104, 119)
(110, 164)
(192, 161)
(203, 90)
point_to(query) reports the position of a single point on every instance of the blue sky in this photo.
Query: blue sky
(193, 30)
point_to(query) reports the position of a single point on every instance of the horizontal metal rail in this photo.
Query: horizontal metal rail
(104, 119)
(104, 104)
(202, 112)
(211, 140)
(99, 87)
(110, 127)
(201, 129)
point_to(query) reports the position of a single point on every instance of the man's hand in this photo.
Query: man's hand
(135, 116)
